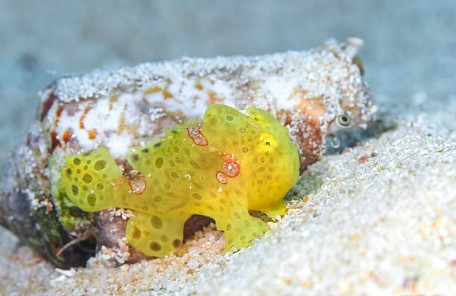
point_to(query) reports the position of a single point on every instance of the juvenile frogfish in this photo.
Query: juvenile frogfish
(220, 167)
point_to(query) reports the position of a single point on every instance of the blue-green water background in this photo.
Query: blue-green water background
(409, 44)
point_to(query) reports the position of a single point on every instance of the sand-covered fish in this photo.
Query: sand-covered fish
(220, 167)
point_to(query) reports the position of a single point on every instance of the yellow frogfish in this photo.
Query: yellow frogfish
(220, 167)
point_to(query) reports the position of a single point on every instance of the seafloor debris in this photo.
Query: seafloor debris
(313, 93)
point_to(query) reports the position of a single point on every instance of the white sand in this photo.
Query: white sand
(377, 219)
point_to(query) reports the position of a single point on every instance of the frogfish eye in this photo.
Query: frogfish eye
(267, 143)
(343, 120)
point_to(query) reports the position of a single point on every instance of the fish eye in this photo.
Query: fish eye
(343, 120)
(267, 142)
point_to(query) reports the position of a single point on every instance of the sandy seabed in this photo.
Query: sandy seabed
(380, 218)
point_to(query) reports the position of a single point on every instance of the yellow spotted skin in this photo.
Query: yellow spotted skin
(222, 167)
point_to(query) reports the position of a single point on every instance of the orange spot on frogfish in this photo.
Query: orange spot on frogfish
(137, 186)
(221, 177)
(231, 169)
(195, 132)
